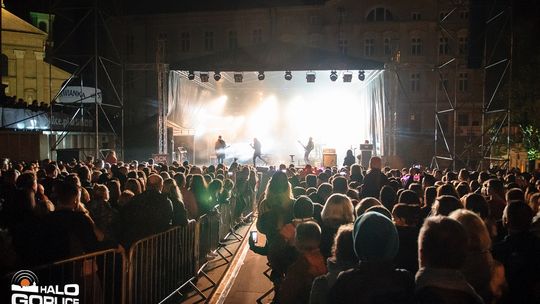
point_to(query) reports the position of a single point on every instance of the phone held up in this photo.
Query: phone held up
(253, 236)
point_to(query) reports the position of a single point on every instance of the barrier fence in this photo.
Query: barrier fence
(154, 269)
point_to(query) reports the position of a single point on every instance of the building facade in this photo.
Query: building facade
(424, 43)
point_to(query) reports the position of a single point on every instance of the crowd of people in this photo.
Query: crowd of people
(382, 235)
(332, 235)
(50, 210)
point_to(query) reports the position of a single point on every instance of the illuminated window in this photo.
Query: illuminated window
(380, 14)
(208, 41)
(416, 46)
(416, 16)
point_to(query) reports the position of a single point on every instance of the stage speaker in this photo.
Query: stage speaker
(67, 155)
(329, 160)
(477, 32)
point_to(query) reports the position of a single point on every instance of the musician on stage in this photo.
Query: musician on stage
(219, 147)
(307, 150)
(256, 151)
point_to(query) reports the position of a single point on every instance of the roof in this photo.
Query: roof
(275, 56)
(12, 23)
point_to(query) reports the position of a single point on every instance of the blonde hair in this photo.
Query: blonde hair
(101, 192)
(479, 239)
(338, 209)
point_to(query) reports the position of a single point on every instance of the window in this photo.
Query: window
(257, 36)
(208, 41)
(463, 42)
(43, 26)
(380, 14)
(314, 20)
(464, 14)
(343, 45)
(4, 65)
(463, 82)
(443, 82)
(416, 16)
(342, 13)
(233, 39)
(387, 47)
(185, 42)
(415, 82)
(130, 44)
(416, 46)
(444, 47)
(463, 119)
(369, 47)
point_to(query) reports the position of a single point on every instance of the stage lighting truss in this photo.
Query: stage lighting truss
(238, 77)
(260, 76)
(333, 76)
(361, 75)
(288, 75)
(310, 76)
(347, 77)
(217, 76)
(191, 75)
(204, 76)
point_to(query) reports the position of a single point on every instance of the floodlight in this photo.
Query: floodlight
(217, 76)
(310, 77)
(238, 77)
(261, 75)
(333, 75)
(347, 77)
(361, 75)
(288, 75)
(191, 75)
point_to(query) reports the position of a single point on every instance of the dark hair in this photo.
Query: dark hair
(442, 243)
(66, 192)
(297, 191)
(311, 180)
(515, 194)
(477, 204)
(308, 235)
(409, 197)
(340, 185)
(430, 193)
(380, 209)
(518, 216)
(365, 204)
(445, 204)
(303, 207)
(388, 197)
(343, 248)
(447, 189)
(410, 213)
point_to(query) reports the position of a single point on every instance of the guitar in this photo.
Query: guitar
(305, 147)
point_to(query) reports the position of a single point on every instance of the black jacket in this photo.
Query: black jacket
(373, 282)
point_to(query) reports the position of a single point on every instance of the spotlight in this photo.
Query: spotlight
(310, 77)
(217, 76)
(238, 77)
(261, 75)
(333, 75)
(204, 76)
(191, 75)
(288, 75)
(361, 75)
(347, 77)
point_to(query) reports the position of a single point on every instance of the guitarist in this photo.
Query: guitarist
(219, 147)
(256, 151)
(307, 149)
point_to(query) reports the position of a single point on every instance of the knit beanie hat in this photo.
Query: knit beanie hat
(375, 237)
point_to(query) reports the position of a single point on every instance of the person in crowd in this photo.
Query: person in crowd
(340, 185)
(309, 264)
(519, 252)
(406, 219)
(409, 197)
(219, 148)
(388, 197)
(148, 213)
(374, 279)
(124, 199)
(343, 258)
(349, 159)
(199, 189)
(445, 204)
(496, 201)
(302, 212)
(442, 252)
(337, 211)
(430, 193)
(133, 185)
(256, 151)
(356, 174)
(365, 204)
(323, 192)
(374, 179)
(103, 214)
(170, 189)
(480, 270)
(67, 231)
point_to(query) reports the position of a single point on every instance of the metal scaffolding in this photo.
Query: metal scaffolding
(497, 93)
(102, 62)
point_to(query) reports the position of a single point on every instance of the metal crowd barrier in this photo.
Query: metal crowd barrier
(156, 267)
(161, 264)
(100, 276)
